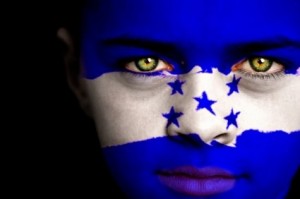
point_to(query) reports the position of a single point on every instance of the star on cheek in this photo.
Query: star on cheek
(231, 119)
(176, 87)
(204, 102)
(233, 86)
(172, 117)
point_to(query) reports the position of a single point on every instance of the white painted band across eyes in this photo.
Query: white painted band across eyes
(129, 108)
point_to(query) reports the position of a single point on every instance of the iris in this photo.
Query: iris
(146, 64)
(260, 64)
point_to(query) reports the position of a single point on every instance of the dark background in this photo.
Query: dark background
(53, 149)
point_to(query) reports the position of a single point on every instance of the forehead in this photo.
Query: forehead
(171, 19)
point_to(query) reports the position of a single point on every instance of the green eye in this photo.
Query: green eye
(146, 64)
(260, 64)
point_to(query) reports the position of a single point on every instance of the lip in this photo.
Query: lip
(194, 181)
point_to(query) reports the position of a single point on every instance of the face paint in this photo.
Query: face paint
(195, 98)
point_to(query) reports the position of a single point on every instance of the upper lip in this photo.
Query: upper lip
(194, 172)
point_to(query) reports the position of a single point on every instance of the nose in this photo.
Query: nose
(205, 110)
(206, 128)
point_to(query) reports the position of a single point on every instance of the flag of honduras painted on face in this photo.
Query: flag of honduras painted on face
(196, 99)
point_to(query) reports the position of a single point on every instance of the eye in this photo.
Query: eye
(258, 66)
(148, 64)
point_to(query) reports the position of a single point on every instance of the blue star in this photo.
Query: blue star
(204, 102)
(172, 117)
(176, 87)
(231, 119)
(233, 86)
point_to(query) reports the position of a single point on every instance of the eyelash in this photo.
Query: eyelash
(149, 77)
(146, 75)
(276, 75)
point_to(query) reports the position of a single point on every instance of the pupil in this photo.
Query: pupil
(261, 61)
(148, 61)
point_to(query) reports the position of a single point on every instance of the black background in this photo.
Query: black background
(53, 149)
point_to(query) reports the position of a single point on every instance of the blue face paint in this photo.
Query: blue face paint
(210, 34)
(262, 164)
(216, 37)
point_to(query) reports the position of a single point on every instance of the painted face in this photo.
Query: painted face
(196, 99)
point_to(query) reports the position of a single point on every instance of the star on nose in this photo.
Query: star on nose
(172, 117)
(231, 119)
(205, 103)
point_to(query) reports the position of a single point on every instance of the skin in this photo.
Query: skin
(204, 106)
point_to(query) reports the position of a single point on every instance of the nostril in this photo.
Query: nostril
(188, 138)
(225, 138)
(222, 135)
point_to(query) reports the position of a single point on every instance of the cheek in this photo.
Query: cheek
(125, 113)
(270, 106)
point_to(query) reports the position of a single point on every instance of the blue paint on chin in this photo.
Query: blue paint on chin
(264, 162)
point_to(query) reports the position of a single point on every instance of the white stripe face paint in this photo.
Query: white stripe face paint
(129, 107)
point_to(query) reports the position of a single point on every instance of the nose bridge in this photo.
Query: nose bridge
(203, 108)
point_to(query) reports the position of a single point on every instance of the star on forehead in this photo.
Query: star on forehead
(176, 87)
(204, 102)
(172, 117)
(231, 119)
(233, 86)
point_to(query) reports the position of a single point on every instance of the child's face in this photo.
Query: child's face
(196, 98)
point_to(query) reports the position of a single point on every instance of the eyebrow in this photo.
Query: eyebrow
(171, 49)
(264, 44)
(153, 45)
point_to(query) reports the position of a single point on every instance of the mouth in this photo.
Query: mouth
(193, 181)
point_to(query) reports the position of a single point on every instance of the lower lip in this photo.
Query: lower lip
(214, 181)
